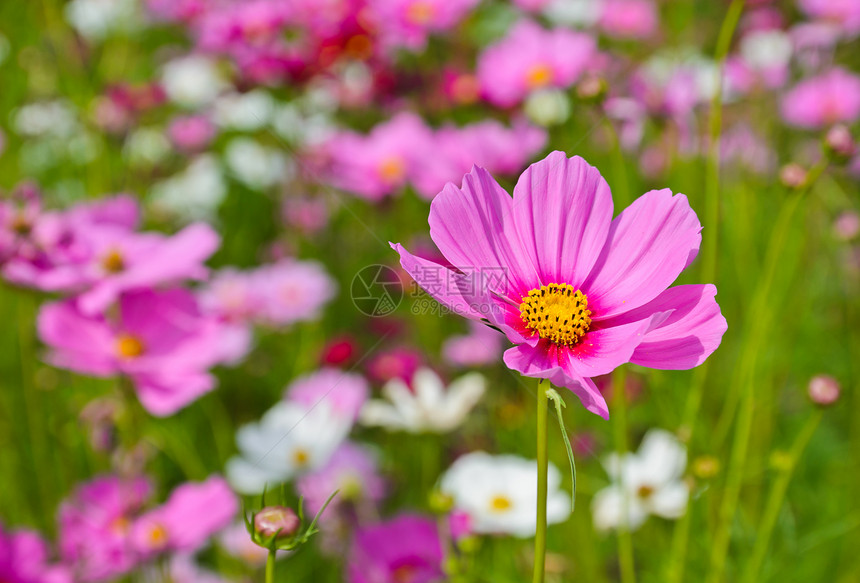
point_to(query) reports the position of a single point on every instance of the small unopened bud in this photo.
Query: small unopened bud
(824, 390)
(440, 502)
(279, 520)
(839, 144)
(547, 107)
(792, 175)
(847, 226)
(592, 89)
(706, 467)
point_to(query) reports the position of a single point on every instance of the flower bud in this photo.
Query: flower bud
(792, 175)
(279, 520)
(592, 89)
(824, 390)
(839, 144)
(547, 107)
(847, 226)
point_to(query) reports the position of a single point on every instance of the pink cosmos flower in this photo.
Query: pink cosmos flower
(398, 363)
(843, 13)
(577, 292)
(629, 18)
(236, 541)
(408, 23)
(480, 347)
(24, 559)
(191, 133)
(531, 58)
(823, 100)
(160, 340)
(193, 513)
(94, 524)
(292, 291)
(405, 548)
(352, 469)
(345, 392)
(379, 163)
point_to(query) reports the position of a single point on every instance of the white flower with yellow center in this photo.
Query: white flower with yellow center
(290, 440)
(428, 406)
(499, 493)
(646, 482)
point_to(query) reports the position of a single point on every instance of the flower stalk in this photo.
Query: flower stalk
(543, 464)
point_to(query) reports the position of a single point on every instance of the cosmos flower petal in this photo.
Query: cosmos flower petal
(562, 210)
(690, 334)
(473, 226)
(454, 290)
(648, 246)
(608, 506)
(671, 500)
(164, 394)
(538, 363)
(663, 455)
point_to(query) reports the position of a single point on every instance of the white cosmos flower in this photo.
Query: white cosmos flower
(499, 493)
(194, 193)
(192, 81)
(290, 440)
(255, 165)
(428, 406)
(646, 482)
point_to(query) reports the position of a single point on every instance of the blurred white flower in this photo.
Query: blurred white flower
(764, 49)
(547, 107)
(427, 406)
(574, 12)
(146, 147)
(297, 126)
(290, 440)
(192, 81)
(46, 118)
(254, 165)
(499, 493)
(195, 193)
(647, 482)
(244, 111)
(96, 19)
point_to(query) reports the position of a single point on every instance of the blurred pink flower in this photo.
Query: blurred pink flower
(24, 559)
(191, 133)
(352, 469)
(847, 225)
(182, 568)
(94, 524)
(379, 163)
(481, 346)
(305, 213)
(160, 340)
(843, 13)
(193, 513)
(829, 98)
(237, 542)
(531, 58)
(339, 351)
(578, 293)
(405, 548)
(345, 392)
(408, 23)
(399, 363)
(635, 19)
(291, 291)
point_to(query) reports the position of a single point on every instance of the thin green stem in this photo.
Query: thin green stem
(776, 497)
(543, 465)
(619, 427)
(270, 566)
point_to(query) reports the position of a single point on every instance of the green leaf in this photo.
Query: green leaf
(559, 403)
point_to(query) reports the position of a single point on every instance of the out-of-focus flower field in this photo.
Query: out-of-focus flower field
(318, 256)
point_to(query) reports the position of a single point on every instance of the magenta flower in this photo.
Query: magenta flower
(160, 340)
(193, 513)
(292, 291)
(577, 292)
(823, 100)
(406, 548)
(94, 524)
(531, 58)
(629, 18)
(344, 392)
(844, 14)
(24, 559)
(408, 23)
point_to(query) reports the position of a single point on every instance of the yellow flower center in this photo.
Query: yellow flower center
(113, 262)
(301, 457)
(404, 574)
(557, 313)
(645, 491)
(538, 76)
(392, 169)
(129, 346)
(500, 504)
(157, 535)
(420, 12)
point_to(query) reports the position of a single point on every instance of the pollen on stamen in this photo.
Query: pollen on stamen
(564, 318)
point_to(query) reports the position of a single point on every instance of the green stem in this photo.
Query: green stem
(543, 464)
(776, 497)
(619, 416)
(270, 566)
